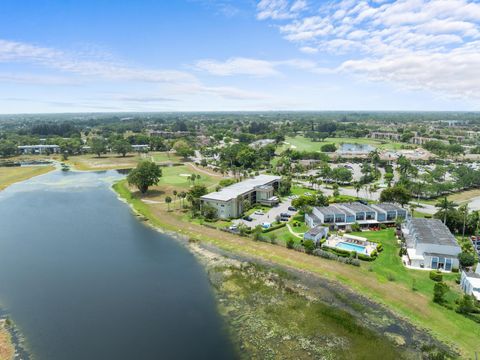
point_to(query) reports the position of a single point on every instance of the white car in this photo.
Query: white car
(259, 212)
(233, 227)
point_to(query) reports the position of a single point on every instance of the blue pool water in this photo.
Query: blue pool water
(356, 148)
(351, 247)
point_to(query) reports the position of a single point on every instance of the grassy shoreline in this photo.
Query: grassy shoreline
(12, 175)
(452, 329)
(7, 349)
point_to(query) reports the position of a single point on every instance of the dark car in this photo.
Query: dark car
(284, 218)
(363, 202)
(285, 215)
(247, 218)
(291, 208)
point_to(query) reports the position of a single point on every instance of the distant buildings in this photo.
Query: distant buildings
(141, 148)
(470, 282)
(230, 200)
(342, 215)
(430, 245)
(39, 149)
(261, 143)
(385, 135)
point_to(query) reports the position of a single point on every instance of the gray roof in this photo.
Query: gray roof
(314, 218)
(331, 210)
(357, 207)
(243, 187)
(389, 207)
(432, 231)
(316, 230)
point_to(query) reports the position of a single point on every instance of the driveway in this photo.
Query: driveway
(269, 216)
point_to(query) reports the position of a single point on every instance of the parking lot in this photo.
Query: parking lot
(269, 216)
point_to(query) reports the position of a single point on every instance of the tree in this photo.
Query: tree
(122, 147)
(328, 148)
(175, 193)
(7, 148)
(183, 149)
(98, 146)
(309, 246)
(466, 305)
(290, 243)
(146, 174)
(439, 291)
(285, 186)
(168, 200)
(209, 212)
(194, 194)
(398, 194)
(182, 195)
(445, 206)
(388, 178)
(466, 259)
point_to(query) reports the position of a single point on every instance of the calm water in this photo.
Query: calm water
(83, 279)
(356, 148)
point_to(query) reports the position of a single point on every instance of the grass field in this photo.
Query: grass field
(113, 161)
(460, 197)
(11, 175)
(303, 144)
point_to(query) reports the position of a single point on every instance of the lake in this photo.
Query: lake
(82, 278)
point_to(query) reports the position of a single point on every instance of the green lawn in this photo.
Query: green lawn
(303, 144)
(165, 157)
(177, 177)
(388, 266)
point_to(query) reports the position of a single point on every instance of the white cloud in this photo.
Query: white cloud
(237, 66)
(422, 44)
(280, 9)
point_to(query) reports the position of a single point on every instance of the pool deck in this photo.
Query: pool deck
(334, 241)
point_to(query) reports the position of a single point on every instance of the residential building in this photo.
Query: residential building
(385, 135)
(316, 233)
(430, 245)
(342, 215)
(230, 200)
(39, 149)
(470, 282)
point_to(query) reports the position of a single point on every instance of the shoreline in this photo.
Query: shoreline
(208, 251)
(7, 347)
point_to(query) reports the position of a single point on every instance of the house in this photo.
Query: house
(429, 245)
(230, 200)
(316, 233)
(341, 215)
(141, 148)
(470, 283)
(39, 149)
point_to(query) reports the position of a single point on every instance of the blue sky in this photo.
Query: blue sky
(188, 55)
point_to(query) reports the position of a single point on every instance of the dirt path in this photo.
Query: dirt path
(204, 171)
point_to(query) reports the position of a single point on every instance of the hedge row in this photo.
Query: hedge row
(275, 227)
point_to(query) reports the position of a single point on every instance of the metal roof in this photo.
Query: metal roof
(357, 207)
(316, 230)
(240, 188)
(389, 207)
(432, 231)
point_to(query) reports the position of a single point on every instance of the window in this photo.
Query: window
(448, 264)
(434, 262)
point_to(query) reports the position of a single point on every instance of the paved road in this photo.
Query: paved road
(269, 216)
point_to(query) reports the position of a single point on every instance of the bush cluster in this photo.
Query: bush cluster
(330, 256)
(436, 275)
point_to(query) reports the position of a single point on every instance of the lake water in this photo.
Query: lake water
(84, 279)
(356, 148)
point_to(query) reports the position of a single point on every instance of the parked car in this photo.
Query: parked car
(286, 215)
(266, 225)
(363, 202)
(284, 219)
(247, 218)
(259, 212)
(292, 208)
(233, 227)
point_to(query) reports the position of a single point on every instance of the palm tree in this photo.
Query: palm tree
(168, 200)
(464, 211)
(358, 186)
(175, 195)
(445, 205)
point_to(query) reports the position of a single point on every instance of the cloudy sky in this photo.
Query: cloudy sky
(186, 55)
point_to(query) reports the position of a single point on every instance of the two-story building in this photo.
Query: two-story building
(470, 282)
(430, 245)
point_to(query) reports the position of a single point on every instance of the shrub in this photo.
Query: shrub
(274, 227)
(390, 277)
(356, 227)
(290, 243)
(309, 246)
(379, 247)
(439, 291)
(436, 275)
(466, 259)
(383, 226)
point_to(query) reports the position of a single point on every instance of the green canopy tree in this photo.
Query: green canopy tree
(146, 174)
(122, 147)
(98, 146)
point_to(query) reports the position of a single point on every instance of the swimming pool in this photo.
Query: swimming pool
(352, 247)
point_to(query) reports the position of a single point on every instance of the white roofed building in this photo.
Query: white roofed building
(229, 201)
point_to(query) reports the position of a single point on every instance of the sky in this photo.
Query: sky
(206, 55)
